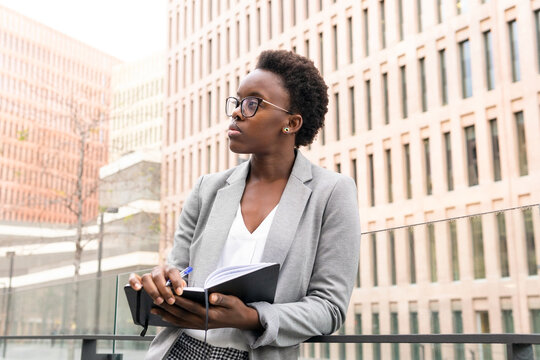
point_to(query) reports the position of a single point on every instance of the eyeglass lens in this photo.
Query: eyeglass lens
(249, 106)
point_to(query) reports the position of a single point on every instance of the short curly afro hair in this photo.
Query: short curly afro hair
(308, 93)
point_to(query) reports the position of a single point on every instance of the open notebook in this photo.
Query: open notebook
(250, 283)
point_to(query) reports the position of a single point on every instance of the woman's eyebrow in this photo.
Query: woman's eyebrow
(252, 93)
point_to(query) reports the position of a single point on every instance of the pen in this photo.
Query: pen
(182, 274)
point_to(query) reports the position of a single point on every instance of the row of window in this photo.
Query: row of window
(46, 57)
(213, 108)
(27, 205)
(471, 162)
(481, 319)
(133, 95)
(137, 114)
(472, 235)
(132, 140)
(213, 60)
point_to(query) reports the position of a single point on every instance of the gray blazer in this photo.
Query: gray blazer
(315, 237)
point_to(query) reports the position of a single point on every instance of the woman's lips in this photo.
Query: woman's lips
(234, 130)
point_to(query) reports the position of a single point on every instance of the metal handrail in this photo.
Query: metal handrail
(518, 346)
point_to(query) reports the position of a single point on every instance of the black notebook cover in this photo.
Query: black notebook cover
(259, 285)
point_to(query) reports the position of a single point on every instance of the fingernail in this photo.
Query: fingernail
(137, 286)
(158, 301)
(153, 311)
(179, 291)
(215, 298)
(170, 300)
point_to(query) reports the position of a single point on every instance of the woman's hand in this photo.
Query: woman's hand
(154, 283)
(224, 311)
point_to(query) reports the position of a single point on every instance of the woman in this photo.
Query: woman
(278, 207)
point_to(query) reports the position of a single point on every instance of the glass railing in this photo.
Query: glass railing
(472, 275)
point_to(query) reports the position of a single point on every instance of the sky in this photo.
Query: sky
(126, 29)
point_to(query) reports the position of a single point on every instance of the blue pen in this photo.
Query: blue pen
(182, 274)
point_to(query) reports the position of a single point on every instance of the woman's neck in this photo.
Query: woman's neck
(271, 167)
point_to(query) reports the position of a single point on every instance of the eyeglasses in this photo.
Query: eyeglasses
(248, 106)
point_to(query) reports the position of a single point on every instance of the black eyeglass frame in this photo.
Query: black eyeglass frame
(259, 101)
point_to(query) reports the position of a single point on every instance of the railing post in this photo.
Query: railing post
(519, 352)
(89, 352)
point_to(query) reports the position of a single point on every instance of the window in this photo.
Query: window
(537, 26)
(293, 10)
(388, 158)
(457, 327)
(495, 152)
(400, 19)
(532, 264)
(413, 323)
(419, 19)
(358, 331)
(423, 85)
(432, 253)
(466, 73)
(392, 253)
(427, 167)
(385, 99)
(342, 346)
(535, 327)
(306, 8)
(514, 50)
(352, 114)
(321, 53)
(336, 104)
(412, 255)
(444, 82)
(394, 329)
(454, 250)
(375, 330)
(403, 78)
(209, 97)
(448, 158)
(503, 245)
(507, 321)
(366, 32)
(374, 269)
(368, 105)
(258, 26)
(306, 48)
(482, 323)
(408, 180)
(335, 43)
(350, 39)
(325, 350)
(354, 173)
(281, 17)
(440, 11)
(383, 23)
(472, 158)
(462, 6)
(479, 267)
(269, 18)
(436, 351)
(248, 33)
(371, 180)
(488, 55)
(521, 144)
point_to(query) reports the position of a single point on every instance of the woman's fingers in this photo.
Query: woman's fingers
(158, 277)
(177, 283)
(135, 281)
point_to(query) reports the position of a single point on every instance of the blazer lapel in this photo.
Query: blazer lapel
(289, 212)
(218, 225)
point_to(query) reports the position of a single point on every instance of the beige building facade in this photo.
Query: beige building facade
(434, 111)
(137, 106)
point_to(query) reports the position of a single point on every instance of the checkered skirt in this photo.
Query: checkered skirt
(188, 348)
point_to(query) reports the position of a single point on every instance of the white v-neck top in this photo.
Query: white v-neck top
(241, 247)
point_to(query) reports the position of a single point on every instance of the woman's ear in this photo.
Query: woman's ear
(295, 123)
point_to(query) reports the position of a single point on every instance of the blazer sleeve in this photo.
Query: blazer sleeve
(322, 311)
(179, 254)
